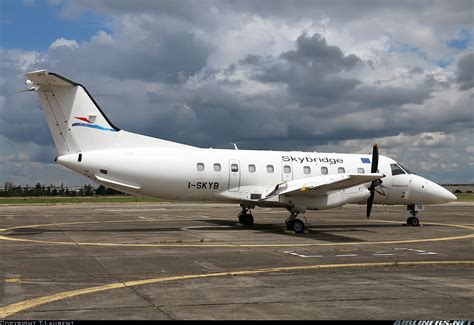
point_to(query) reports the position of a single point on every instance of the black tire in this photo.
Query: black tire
(297, 226)
(246, 220)
(409, 220)
(415, 221)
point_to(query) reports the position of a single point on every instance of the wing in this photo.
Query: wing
(322, 184)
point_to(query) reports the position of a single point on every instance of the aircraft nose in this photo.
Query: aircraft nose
(439, 194)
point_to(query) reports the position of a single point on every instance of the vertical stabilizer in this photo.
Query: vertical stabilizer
(75, 120)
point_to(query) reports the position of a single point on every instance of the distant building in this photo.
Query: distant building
(459, 188)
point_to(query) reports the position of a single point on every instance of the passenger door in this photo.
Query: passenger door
(286, 171)
(234, 175)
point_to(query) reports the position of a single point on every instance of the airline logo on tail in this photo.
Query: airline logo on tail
(89, 124)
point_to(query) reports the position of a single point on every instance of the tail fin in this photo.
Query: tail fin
(76, 121)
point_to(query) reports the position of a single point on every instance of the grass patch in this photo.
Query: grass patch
(465, 197)
(51, 200)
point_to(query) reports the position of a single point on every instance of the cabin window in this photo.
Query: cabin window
(79, 158)
(103, 171)
(287, 169)
(341, 170)
(361, 170)
(307, 170)
(270, 169)
(200, 167)
(252, 168)
(234, 168)
(324, 170)
(217, 167)
(396, 170)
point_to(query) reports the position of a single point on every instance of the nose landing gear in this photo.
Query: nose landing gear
(413, 220)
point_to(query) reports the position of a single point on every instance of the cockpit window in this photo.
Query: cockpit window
(406, 169)
(396, 170)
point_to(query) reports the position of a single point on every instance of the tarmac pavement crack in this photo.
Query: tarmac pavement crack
(406, 285)
(110, 276)
(291, 301)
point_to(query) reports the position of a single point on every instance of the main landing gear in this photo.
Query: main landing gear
(246, 217)
(413, 220)
(294, 224)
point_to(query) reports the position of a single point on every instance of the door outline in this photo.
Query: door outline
(286, 177)
(234, 177)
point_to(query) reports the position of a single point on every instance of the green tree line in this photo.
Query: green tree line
(10, 189)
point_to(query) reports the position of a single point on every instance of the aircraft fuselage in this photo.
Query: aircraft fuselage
(196, 174)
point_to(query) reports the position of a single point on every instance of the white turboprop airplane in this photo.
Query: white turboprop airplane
(89, 144)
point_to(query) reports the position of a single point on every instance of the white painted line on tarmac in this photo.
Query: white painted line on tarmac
(422, 252)
(347, 255)
(302, 255)
(199, 227)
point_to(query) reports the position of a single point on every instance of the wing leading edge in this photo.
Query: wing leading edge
(320, 185)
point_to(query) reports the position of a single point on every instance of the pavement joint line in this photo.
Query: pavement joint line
(31, 303)
(227, 244)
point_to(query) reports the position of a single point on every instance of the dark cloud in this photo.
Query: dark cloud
(465, 72)
(314, 53)
(21, 118)
(159, 54)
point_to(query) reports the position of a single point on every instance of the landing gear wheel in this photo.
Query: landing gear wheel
(413, 221)
(246, 219)
(245, 216)
(296, 225)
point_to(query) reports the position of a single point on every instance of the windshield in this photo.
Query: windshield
(396, 170)
(406, 169)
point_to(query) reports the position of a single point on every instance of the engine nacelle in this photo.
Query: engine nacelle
(354, 195)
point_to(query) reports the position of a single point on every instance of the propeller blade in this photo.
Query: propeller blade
(370, 202)
(373, 169)
(375, 159)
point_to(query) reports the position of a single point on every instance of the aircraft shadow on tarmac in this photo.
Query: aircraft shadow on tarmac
(316, 232)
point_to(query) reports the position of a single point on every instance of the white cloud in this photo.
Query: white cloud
(103, 38)
(62, 42)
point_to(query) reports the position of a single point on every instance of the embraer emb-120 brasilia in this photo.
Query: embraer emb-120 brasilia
(89, 144)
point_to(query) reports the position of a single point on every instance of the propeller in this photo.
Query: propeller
(373, 169)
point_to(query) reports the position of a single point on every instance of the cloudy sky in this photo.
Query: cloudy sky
(325, 75)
